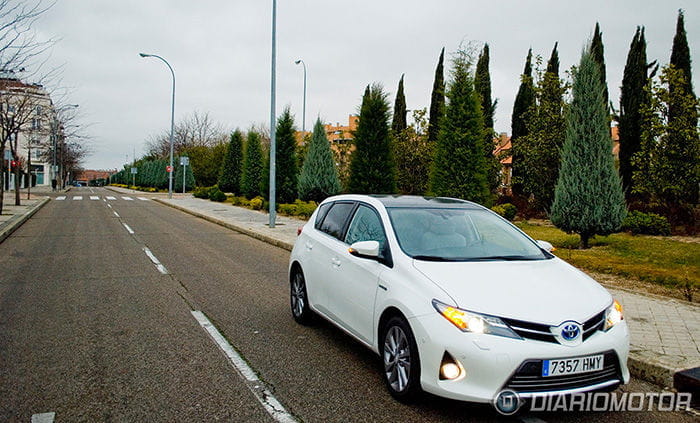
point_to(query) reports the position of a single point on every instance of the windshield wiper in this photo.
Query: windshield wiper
(504, 258)
(433, 258)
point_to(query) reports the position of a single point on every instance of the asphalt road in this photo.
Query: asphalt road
(92, 330)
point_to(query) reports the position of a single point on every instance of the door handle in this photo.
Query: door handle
(336, 262)
(309, 246)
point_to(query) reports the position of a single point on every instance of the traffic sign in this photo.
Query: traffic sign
(134, 170)
(169, 169)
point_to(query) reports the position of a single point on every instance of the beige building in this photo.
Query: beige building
(28, 113)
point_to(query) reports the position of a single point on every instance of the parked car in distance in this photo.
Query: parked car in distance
(455, 300)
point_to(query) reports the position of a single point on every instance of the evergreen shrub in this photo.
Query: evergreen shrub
(646, 223)
(507, 211)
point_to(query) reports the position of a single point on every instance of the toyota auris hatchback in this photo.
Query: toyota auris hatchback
(456, 300)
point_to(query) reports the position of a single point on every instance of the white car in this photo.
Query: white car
(456, 300)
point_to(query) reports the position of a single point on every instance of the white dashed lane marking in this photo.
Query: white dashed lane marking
(94, 197)
(43, 417)
(116, 214)
(155, 261)
(60, 198)
(273, 407)
(128, 198)
(78, 197)
(109, 197)
(143, 199)
(131, 231)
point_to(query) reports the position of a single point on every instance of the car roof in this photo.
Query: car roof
(411, 201)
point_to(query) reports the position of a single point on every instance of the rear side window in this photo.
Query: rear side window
(322, 210)
(334, 221)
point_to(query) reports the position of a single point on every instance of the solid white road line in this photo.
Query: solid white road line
(273, 407)
(127, 198)
(109, 197)
(78, 197)
(94, 197)
(60, 198)
(43, 417)
(115, 213)
(131, 231)
(155, 261)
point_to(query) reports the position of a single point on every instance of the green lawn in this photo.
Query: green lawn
(653, 259)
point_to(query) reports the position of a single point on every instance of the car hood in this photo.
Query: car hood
(542, 291)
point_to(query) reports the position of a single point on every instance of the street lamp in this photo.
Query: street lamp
(172, 122)
(303, 113)
(273, 143)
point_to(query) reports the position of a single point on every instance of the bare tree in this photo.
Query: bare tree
(196, 130)
(19, 45)
(21, 110)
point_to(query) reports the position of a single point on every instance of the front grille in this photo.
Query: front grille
(528, 377)
(593, 324)
(529, 330)
(540, 332)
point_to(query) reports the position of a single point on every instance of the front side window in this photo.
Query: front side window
(366, 226)
(334, 222)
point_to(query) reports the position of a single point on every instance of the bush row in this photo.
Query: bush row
(507, 211)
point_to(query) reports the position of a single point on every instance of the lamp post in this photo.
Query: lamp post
(303, 113)
(273, 144)
(172, 122)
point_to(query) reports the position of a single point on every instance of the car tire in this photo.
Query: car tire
(400, 360)
(299, 300)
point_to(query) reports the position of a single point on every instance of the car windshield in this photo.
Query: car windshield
(460, 234)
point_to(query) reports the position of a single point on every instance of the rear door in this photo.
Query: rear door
(322, 247)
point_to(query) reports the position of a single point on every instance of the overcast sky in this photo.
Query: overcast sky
(220, 51)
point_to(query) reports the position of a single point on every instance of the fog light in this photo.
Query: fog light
(450, 369)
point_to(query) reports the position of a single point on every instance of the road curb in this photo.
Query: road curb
(18, 220)
(246, 231)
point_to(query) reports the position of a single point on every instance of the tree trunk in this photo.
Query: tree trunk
(584, 241)
(2, 184)
(17, 183)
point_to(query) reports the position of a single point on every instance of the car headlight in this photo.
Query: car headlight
(613, 315)
(469, 321)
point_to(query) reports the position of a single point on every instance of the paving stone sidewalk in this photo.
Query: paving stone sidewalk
(665, 333)
(13, 217)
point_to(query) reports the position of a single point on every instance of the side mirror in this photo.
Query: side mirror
(365, 249)
(546, 246)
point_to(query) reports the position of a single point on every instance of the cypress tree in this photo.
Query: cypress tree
(540, 149)
(286, 159)
(230, 178)
(372, 167)
(482, 85)
(459, 168)
(633, 96)
(319, 177)
(680, 53)
(253, 172)
(524, 101)
(399, 122)
(588, 199)
(598, 52)
(437, 100)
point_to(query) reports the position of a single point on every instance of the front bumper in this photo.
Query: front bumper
(493, 363)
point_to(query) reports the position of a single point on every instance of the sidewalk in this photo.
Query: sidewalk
(664, 333)
(13, 217)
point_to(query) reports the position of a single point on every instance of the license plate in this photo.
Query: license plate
(572, 366)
